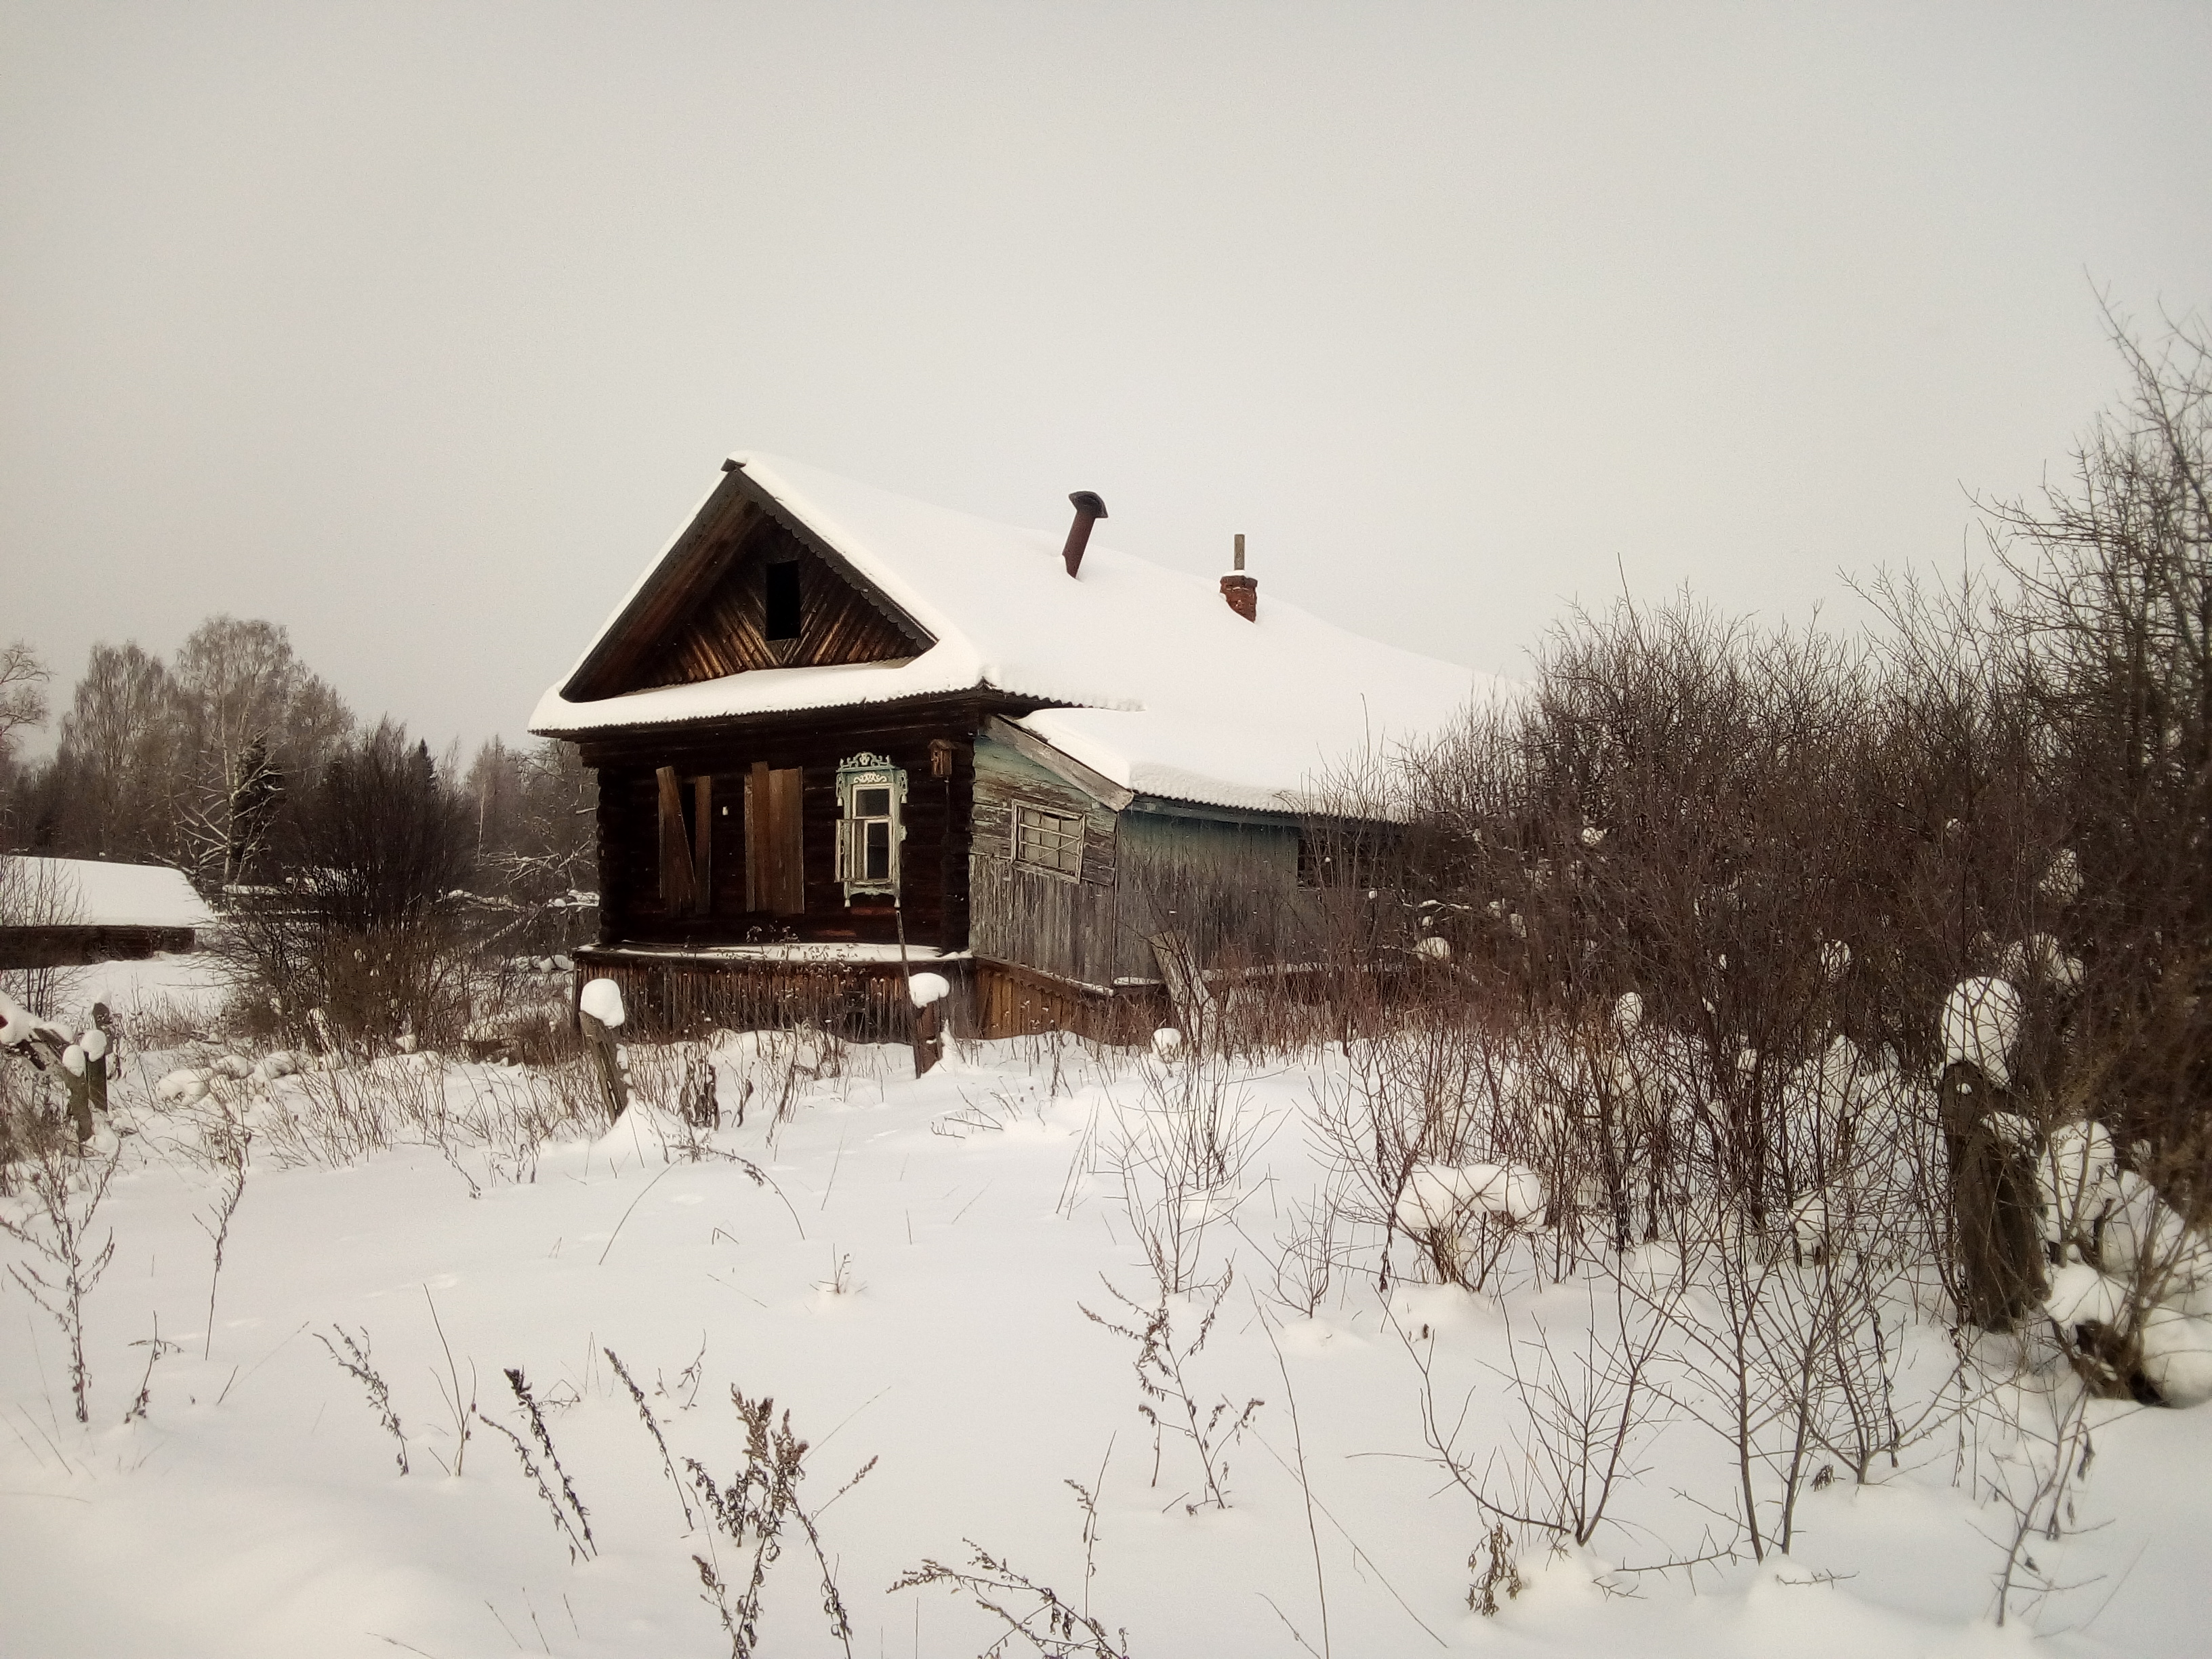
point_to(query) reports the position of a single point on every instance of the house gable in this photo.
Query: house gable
(746, 587)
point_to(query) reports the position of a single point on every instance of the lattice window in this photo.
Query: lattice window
(1047, 841)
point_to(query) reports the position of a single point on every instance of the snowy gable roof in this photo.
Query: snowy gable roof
(93, 893)
(1165, 690)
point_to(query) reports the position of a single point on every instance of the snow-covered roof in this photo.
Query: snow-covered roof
(1168, 691)
(93, 893)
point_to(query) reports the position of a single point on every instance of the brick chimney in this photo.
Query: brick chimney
(1241, 590)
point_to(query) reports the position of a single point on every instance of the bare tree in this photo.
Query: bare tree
(22, 694)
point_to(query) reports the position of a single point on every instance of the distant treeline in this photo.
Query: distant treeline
(235, 763)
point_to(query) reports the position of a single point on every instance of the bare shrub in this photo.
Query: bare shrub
(64, 1195)
(1172, 1401)
(1181, 1150)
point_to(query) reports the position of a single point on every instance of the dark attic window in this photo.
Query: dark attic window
(783, 600)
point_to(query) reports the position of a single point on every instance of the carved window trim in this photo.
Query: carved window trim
(871, 820)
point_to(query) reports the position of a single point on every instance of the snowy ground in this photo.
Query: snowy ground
(909, 1282)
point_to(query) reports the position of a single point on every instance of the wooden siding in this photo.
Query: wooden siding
(701, 612)
(1229, 888)
(1060, 924)
(726, 629)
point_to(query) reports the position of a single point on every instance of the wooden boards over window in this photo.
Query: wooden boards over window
(679, 886)
(686, 867)
(776, 871)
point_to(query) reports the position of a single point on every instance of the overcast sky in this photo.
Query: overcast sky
(419, 328)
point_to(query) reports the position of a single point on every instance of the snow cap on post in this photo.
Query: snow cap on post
(1982, 1021)
(602, 1000)
(926, 988)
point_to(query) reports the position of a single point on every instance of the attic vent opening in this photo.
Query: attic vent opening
(781, 595)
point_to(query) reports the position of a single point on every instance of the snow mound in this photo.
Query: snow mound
(1437, 1193)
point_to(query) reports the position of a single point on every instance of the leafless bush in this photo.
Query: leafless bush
(1181, 1150)
(1172, 1401)
(65, 1194)
(34, 894)
(1589, 1411)
(1047, 1623)
(653, 1427)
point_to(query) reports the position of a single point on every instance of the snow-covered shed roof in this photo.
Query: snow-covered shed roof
(93, 893)
(1165, 690)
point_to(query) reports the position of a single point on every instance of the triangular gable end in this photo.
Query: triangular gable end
(747, 585)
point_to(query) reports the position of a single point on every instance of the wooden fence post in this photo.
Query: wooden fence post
(599, 1010)
(606, 1063)
(99, 1045)
(1994, 1202)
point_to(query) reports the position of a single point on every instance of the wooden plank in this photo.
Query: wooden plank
(1067, 768)
(787, 885)
(676, 894)
(702, 844)
(1187, 986)
(756, 852)
(691, 563)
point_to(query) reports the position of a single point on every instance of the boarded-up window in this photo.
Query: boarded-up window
(687, 886)
(1047, 841)
(775, 871)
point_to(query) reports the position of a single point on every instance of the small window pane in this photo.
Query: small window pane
(872, 803)
(876, 860)
(1049, 841)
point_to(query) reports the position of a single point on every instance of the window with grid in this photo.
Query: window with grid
(1049, 841)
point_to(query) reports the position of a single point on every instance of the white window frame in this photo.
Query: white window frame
(1058, 835)
(868, 771)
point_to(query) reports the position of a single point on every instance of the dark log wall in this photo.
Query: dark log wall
(933, 857)
(1040, 918)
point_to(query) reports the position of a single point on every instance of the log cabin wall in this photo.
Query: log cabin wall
(934, 856)
(1062, 923)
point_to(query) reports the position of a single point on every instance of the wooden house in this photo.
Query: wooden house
(840, 734)
(61, 913)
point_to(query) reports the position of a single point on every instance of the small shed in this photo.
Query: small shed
(840, 733)
(64, 913)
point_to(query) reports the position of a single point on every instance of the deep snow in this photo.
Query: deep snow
(911, 1283)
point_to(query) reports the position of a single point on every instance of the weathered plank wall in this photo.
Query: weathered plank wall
(1062, 924)
(1230, 888)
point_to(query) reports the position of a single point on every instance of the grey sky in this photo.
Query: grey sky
(418, 328)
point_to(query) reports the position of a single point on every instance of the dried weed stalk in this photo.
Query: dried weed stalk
(57, 1230)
